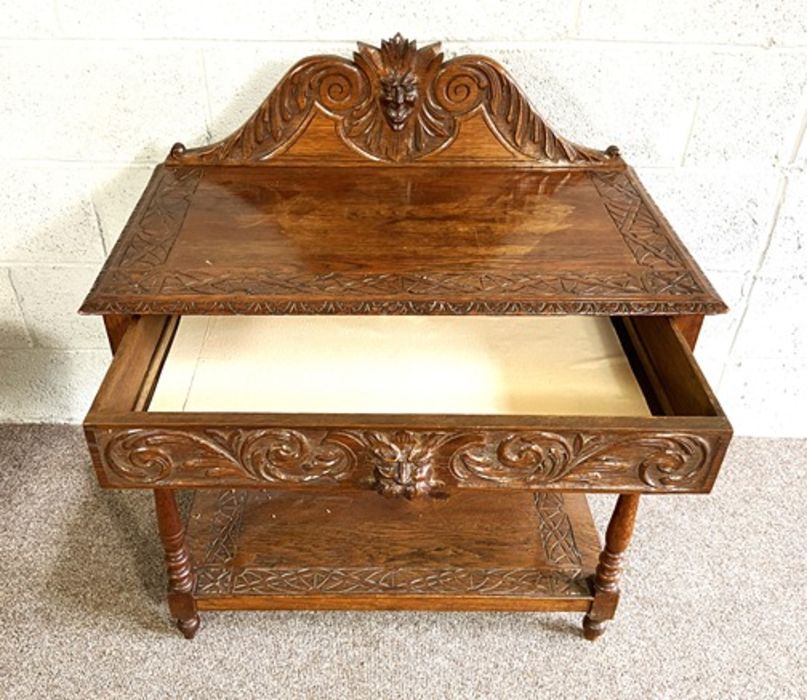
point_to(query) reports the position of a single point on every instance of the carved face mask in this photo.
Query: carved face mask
(398, 98)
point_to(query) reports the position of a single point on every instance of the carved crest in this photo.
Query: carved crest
(397, 103)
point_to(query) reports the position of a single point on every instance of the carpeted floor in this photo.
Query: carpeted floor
(713, 604)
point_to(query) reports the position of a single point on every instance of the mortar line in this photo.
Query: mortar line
(690, 131)
(208, 104)
(576, 20)
(85, 162)
(774, 221)
(17, 301)
(95, 264)
(99, 225)
(800, 136)
(58, 15)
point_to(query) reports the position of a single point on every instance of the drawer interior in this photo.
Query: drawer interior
(587, 403)
(464, 365)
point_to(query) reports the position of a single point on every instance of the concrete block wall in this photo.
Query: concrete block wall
(708, 100)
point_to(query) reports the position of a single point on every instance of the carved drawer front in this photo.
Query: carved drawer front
(676, 446)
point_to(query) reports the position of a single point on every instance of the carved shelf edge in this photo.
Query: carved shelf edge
(394, 104)
(217, 580)
(409, 463)
(265, 306)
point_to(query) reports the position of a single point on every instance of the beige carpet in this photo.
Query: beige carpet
(713, 604)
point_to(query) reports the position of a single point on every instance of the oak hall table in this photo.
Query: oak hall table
(391, 331)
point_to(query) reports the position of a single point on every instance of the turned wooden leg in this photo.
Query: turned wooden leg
(180, 573)
(606, 579)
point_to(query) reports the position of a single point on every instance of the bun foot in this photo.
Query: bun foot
(592, 629)
(189, 627)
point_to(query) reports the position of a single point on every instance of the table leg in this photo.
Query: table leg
(606, 579)
(180, 573)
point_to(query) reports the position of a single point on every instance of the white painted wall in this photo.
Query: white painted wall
(707, 99)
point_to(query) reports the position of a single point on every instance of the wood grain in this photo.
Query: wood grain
(178, 563)
(411, 455)
(396, 103)
(272, 549)
(519, 221)
(400, 183)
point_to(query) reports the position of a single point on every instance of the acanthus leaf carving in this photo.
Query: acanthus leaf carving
(665, 461)
(397, 103)
(409, 463)
(674, 461)
(266, 455)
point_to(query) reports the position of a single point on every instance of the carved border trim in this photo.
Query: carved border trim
(397, 307)
(161, 219)
(214, 581)
(427, 284)
(555, 530)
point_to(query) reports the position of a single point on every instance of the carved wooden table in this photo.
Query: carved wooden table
(439, 461)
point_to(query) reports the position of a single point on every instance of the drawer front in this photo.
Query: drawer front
(409, 462)
(410, 455)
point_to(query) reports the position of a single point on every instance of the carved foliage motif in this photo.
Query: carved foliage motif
(668, 461)
(397, 103)
(216, 575)
(268, 455)
(409, 463)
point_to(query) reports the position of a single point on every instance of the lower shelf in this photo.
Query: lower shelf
(358, 550)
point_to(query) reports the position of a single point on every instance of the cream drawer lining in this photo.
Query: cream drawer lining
(564, 365)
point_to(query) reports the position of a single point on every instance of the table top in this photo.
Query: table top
(489, 213)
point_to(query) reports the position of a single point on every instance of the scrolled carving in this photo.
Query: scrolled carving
(667, 461)
(138, 457)
(522, 458)
(675, 461)
(288, 455)
(408, 463)
(467, 83)
(273, 455)
(396, 103)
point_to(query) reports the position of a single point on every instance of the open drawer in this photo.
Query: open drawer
(407, 405)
